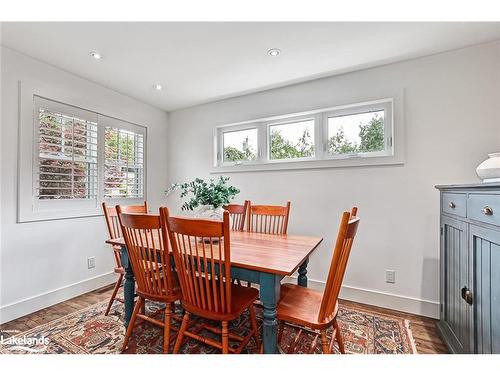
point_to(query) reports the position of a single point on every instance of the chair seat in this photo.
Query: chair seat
(300, 305)
(241, 298)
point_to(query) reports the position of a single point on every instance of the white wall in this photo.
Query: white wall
(452, 120)
(45, 262)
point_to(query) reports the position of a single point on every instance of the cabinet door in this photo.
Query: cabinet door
(456, 313)
(485, 244)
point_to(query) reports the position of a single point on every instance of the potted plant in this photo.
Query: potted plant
(206, 198)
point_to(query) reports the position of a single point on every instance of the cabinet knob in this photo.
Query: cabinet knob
(467, 295)
(452, 205)
(487, 211)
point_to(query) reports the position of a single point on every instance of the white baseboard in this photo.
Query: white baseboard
(381, 299)
(29, 305)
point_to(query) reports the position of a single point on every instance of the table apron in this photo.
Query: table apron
(245, 274)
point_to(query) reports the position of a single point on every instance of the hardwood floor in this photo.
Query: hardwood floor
(424, 329)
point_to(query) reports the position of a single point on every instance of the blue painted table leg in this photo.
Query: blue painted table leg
(269, 295)
(128, 286)
(302, 279)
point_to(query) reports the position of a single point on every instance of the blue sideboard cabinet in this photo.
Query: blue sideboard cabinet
(470, 267)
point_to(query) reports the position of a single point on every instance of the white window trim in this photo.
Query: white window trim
(384, 104)
(394, 129)
(106, 121)
(291, 120)
(48, 204)
(27, 210)
(219, 143)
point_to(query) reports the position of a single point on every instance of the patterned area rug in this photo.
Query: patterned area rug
(90, 332)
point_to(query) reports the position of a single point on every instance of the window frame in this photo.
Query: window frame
(385, 105)
(289, 121)
(29, 207)
(219, 142)
(108, 121)
(53, 106)
(393, 152)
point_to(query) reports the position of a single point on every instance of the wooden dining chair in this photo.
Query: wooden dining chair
(114, 231)
(202, 257)
(316, 310)
(268, 219)
(148, 251)
(237, 215)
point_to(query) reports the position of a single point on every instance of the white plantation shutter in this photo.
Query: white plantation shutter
(124, 159)
(66, 157)
(79, 159)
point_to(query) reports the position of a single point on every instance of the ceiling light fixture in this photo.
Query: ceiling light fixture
(158, 87)
(274, 52)
(96, 55)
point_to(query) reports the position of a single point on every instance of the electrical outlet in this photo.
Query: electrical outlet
(91, 262)
(390, 276)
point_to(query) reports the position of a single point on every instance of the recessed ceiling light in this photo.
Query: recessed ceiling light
(274, 52)
(96, 55)
(158, 87)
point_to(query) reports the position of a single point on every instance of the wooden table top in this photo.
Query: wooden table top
(277, 254)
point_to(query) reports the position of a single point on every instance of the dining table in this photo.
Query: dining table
(259, 258)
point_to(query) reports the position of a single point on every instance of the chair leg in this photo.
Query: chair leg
(225, 338)
(338, 336)
(113, 296)
(324, 342)
(166, 328)
(255, 327)
(131, 323)
(281, 327)
(180, 334)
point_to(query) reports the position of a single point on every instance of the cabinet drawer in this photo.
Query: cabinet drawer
(484, 208)
(455, 203)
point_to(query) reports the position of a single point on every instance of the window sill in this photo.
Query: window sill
(311, 164)
(65, 212)
(47, 215)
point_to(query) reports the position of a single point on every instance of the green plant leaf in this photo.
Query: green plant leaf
(214, 193)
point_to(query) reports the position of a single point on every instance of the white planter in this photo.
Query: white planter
(209, 212)
(489, 170)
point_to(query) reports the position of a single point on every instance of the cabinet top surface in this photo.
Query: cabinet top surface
(478, 185)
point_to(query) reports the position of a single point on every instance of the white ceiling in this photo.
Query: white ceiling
(203, 62)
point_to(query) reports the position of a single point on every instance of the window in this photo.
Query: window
(124, 164)
(82, 158)
(240, 145)
(291, 140)
(361, 133)
(355, 134)
(67, 156)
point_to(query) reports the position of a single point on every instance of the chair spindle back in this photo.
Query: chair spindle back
(111, 217)
(269, 219)
(202, 258)
(113, 224)
(237, 215)
(347, 231)
(148, 253)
